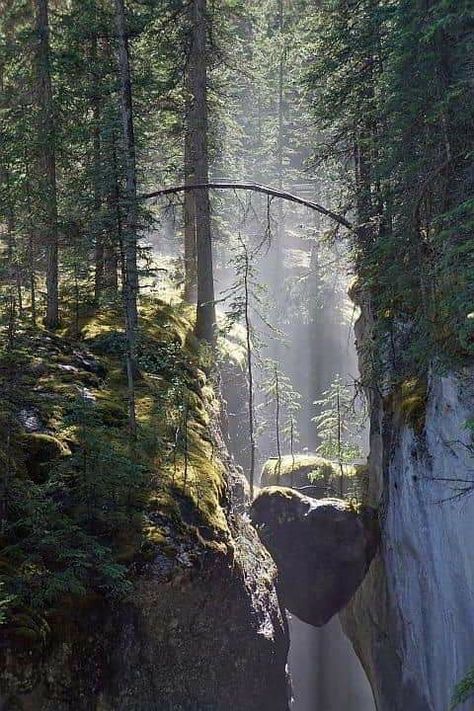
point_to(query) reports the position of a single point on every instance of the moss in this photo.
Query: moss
(284, 492)
(199, 474)
(182, 483)
(317, 476)
(409, 398)
(112, 413)
(301, 470)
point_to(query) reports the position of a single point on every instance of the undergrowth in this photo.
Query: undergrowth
(82, 507)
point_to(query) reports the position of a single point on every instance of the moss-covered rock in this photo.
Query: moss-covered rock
(145, 571)
(298, 470)
(408, 401)
(112, 413)
(315, 476)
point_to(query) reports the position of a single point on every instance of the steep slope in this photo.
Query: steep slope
(131, 580)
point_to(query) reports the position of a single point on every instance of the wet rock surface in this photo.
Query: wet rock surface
(322, 549)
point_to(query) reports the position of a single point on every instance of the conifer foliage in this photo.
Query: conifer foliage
(367, 105)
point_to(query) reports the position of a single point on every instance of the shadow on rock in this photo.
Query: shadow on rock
(322, 548)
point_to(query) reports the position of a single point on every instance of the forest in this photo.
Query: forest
(236, 355)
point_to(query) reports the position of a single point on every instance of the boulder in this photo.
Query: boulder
(315, 476)
(322, 549)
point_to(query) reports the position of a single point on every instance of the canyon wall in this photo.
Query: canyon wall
(412, 620)
(203, 633)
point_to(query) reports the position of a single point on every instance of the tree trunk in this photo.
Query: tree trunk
(96, 180)
(250, 375)
(113, 239)
(32, 239)
(190, 293)
(277, 252)
(280, 139)
(131, 213)
(129, 247)
(199, 170)
(277, 423)
(256, 188)
(47, 166)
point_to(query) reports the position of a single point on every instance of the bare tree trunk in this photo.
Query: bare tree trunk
(256, 188)
(97, 189)
(47, 161)
(113, 241)
(130, 270)
(5, 183)
(111, 265)
(199, 173)
(131, 220)
(277, 250)
(31, 248)
(292, 448)
(251, 410)
(277, 422)
(339, 441)
(280, 143)
(190, 293)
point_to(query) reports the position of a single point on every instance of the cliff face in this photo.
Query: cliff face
(209, 635)
(194, 621)
(412, 620)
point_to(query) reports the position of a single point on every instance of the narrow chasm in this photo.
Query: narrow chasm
(236, 355)
(306, 389)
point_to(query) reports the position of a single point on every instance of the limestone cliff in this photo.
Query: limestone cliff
(412, 620)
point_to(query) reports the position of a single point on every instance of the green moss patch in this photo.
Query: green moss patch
(301, 470)
(41, 450)
(85, 504)
(409, 399)
(315, 476)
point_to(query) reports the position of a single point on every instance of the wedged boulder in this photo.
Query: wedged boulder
(322, 549)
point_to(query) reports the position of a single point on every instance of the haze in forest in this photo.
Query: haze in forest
(236, 270)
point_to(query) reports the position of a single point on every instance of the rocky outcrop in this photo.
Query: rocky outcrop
(412, 619)
(189, 619)
(322, 549)
(204, 634)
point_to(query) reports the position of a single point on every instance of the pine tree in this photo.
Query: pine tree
(198, 168)
(337, 426)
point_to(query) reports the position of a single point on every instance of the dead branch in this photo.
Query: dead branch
(256, 188)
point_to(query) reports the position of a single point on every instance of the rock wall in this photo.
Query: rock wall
(412, 620)
(209, 637)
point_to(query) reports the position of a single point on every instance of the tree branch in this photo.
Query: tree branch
(256, 188)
